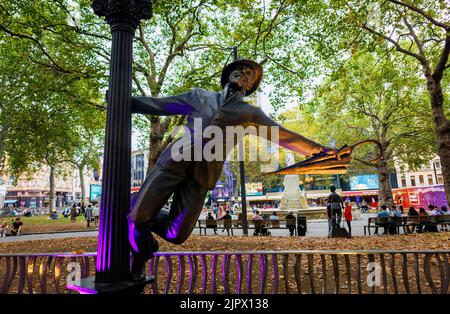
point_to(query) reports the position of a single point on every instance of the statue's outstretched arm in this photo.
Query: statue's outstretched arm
(181, 104)
(288, 139)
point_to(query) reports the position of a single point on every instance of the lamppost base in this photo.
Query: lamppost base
(89, 286)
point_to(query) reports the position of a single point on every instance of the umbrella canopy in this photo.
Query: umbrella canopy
(326, 163)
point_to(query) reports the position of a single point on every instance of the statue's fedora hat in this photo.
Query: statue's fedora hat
(246, 62)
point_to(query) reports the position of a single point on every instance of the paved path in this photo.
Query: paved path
(316, 228)
(48, 236)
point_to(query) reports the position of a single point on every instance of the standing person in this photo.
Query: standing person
(335, 202)
(348, 216)
(82, 209)
(96, 214)
(73, 213)
(89, 215)
(329, 219)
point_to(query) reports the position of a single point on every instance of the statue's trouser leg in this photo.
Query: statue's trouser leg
(177, 224)
(153, 195)
(174, 225)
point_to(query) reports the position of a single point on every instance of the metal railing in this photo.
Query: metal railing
(277, 272)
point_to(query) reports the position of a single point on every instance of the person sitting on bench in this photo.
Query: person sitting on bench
(290, 223)
(226, 222)
(16, 227)
(258, 221)
(211, 223)
(4, 229)
(275, 220)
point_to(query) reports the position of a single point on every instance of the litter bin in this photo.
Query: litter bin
(301, 226)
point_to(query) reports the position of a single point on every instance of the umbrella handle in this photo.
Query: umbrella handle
(380, 149)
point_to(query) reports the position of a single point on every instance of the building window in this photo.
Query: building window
(403, 181)
(413, 181)
(421, 182)
(437, 164)
(140, 161)
(440, 179)
(430, 179)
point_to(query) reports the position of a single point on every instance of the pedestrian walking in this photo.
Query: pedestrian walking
(89, 216)
(96, 214)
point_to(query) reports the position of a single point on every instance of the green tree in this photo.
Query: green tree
(418, 30)
(185, 45)
(384, 100)
(49, 93)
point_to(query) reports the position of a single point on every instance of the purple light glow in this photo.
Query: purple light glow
(172, 231)
(81, 290)
(131, 234)
(100, 240)
(179, 108)
(110, 235)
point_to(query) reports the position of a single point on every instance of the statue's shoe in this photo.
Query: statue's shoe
(138, 270)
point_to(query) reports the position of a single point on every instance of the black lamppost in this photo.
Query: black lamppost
(113, 254)
(242, 174)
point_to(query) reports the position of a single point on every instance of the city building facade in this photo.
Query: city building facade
(428, 175)
(33, 190)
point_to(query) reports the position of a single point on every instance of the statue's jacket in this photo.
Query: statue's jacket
(213, 109)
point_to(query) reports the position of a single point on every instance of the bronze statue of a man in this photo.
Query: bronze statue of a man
(189, 180)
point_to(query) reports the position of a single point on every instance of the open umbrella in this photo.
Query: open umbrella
(326, 163)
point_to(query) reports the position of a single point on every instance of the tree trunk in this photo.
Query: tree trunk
(442, 126)
(156, 138)
(385, 190)
(52, 199)
(83, 189)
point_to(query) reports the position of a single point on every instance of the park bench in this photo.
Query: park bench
(376, 223)
(203, 224)
(412, 222)
(426, 223)
(397, 223)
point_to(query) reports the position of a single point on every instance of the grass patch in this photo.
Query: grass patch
(42, 223)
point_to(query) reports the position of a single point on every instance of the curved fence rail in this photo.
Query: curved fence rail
(311, 272)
